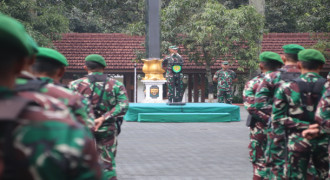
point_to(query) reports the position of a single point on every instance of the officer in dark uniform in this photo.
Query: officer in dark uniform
(174, 76)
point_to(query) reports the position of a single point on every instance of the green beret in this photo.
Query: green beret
(96, 58)
(33, 44)
(173, 47)
(270, 56)
(225, 62)
(48, 53)
(311, 55)
(12, 33)
(292, 48)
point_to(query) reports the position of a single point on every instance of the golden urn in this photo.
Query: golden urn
(152, 69)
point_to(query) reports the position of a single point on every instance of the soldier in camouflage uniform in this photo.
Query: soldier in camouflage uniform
(174, 57)
(225, 78)
(37, 142)
(294, 109)
(322, 118)
(109, 100)
(50, 67)
(275, 148)
(269, 62)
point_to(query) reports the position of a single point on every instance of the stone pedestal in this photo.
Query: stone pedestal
(154, 91)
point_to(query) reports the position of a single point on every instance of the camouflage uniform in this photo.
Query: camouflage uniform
(225, 78)
(258, 136)
(275, 149)
(289, 115)
(79, 105)
(174, 58)
(114, 102)
(48, 102)
(48, 144)
(322, 115)
(38, 137)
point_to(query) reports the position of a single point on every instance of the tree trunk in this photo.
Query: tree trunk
(210, 82)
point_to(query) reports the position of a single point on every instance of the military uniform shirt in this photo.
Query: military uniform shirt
(225, 79)
(78, 104)
(249, 92)
(266, 91)
(322, 115)
(114, 101)
(52, 143)
(173, 58)
(287, 108)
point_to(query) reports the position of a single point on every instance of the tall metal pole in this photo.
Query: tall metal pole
(135, 88)
(153, 28)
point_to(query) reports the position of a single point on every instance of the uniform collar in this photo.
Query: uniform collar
(311, 74)
(268, 72)
(294, 66)
(26, 75)
(46, 79)
(95, 73)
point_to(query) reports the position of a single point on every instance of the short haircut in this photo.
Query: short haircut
(46, 65)
(291, 57)
(311, 65)
(271, 65)
(91, 65)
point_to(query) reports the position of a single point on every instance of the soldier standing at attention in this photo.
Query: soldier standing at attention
(35, 141)
(275, 148)
(225, 78)
(269, 62)
(174, 57)
(50, 68)
(294, 110)
(322, 118)
(109, 100)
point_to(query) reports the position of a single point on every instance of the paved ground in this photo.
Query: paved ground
(184, 151)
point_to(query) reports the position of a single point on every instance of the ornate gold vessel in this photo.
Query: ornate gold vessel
(152, 69)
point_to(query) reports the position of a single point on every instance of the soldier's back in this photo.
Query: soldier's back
(77, 103)
(46, 144)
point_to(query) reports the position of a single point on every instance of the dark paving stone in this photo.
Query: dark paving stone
(184, 151)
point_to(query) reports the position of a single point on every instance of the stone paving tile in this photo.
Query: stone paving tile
(184, 151)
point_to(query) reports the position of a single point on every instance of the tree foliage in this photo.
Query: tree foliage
(211, 31)
(47, 19)
(298, 16)
(43, 19)
(208, 31)
(103, 15)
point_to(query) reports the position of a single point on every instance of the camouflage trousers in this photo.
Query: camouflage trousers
(301, 150)
(275, 153)
(175, 90)
(257, 146)
(224, 96)
(329, 158)
(106, 141)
